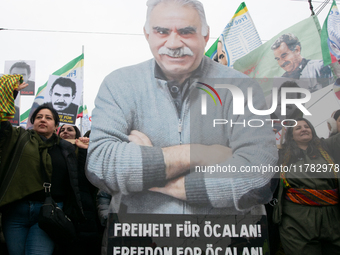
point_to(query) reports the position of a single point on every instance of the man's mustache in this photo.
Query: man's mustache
(175, 53)
(285, 63)
(60, 103)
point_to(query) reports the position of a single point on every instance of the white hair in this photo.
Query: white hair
(197, 5)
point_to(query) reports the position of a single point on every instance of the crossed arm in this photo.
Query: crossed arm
(178, 161)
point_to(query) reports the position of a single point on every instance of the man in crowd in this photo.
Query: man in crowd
(140, 150)
(24, 69)
(287, 52)
(63, 92)
(292, 112)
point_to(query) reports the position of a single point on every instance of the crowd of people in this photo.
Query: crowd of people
(307, 210)
(141, 149)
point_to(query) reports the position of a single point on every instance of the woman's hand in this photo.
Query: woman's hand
(82, 142)
(21, 86)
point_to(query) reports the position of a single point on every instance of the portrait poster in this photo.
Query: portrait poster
(64, 95)
(261, 62)
(268, 68)
(26, 68)
(73, 69)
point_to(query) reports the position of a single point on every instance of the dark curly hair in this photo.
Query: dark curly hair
(46, 106)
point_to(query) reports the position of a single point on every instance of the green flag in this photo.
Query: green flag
(72, 69)
(262, 63)
(237, 39)
(330, 36)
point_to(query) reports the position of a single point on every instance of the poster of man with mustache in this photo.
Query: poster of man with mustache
(63, 94)
(294, 56)
(287, 52)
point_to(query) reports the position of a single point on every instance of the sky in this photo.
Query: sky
(111, 33)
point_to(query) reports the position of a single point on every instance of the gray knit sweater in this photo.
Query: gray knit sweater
(132, 98)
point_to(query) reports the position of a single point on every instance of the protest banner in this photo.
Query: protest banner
(293, 56)
(64, 94)
(174, 234)
(263, 64)
(73, 69)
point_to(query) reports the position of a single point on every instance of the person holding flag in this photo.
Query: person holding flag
(24, 155)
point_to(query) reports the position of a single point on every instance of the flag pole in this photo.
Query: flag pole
(311, 7)
(82, 95)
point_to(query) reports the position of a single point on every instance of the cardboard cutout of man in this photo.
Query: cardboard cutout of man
(140, 135)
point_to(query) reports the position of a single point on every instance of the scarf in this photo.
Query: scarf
(44, 145)
(286, 159)
(19, 180)
(310, 196)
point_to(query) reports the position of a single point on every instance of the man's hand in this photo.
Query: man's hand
(139, 138)
(208, 155)
(174, 188)
(21, 86)
(178, 159)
